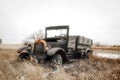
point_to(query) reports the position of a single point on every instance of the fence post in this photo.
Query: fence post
(0, 41)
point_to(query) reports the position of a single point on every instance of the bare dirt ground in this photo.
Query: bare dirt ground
(95, 68)
(10, 46)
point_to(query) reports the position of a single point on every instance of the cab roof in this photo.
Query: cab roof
(57, 27)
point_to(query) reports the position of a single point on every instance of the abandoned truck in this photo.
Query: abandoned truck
(60, 46)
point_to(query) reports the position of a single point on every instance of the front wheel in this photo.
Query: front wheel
(23, 56)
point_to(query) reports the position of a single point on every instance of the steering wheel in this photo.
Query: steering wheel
(63, 36)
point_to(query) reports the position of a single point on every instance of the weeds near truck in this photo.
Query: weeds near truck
(95, 68)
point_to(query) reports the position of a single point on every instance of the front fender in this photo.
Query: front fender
(60, 51)
(24, 56)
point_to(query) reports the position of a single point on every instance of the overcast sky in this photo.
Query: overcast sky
(95, 19)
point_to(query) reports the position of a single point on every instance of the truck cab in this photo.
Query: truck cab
(57, 36)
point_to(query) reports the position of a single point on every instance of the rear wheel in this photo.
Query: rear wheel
(56, 61)
(87, 54)
(78, 55)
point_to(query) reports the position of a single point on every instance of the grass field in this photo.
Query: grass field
(95, 68)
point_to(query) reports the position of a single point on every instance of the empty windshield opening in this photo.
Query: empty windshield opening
(56, 33)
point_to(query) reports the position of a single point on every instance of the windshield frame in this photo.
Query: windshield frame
(60, 28)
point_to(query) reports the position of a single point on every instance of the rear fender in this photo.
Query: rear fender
(60, 51)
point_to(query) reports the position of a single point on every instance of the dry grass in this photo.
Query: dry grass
(106, 48)
(29, 71)
(10, 69)
(95, 68)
